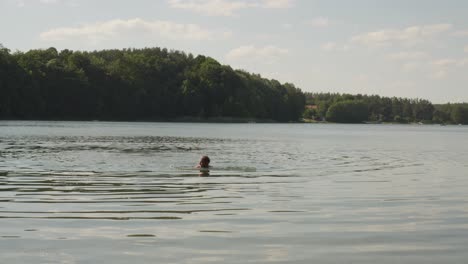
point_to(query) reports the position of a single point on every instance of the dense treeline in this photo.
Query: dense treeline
(347, 108)
(451, 113)
(136, 84)
(157, 84)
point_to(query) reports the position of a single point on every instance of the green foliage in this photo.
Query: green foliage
(348, 111)
(310, 114)
(451, 113)
(380, 109)
(459, 114)
(440, 116)
(399, 119)
(136, 84)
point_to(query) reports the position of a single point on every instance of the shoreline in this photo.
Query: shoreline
(233, 120)
(225, 120)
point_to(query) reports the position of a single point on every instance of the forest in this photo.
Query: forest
(347, 108)
(136, 84)
(156, 84)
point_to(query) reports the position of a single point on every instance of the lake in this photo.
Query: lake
(105, 192)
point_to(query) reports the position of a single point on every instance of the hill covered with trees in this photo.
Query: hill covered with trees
(157, 84)
(136, 84)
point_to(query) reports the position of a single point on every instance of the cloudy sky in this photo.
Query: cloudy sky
(404, 48)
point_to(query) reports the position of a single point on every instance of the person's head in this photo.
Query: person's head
(204, 162)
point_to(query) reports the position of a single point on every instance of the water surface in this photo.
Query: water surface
(102, 192)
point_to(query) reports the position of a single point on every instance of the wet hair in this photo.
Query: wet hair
(205, 158)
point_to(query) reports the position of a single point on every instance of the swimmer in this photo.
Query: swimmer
(204, 166)
(204, 163)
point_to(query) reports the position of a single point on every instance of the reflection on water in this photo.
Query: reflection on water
(87, 192)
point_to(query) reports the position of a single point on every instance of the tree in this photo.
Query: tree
(459, 114)
(348, 111)
(136, 84)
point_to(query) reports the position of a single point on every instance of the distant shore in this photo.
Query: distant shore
(227, 120)
(184, 119)
(311, 121)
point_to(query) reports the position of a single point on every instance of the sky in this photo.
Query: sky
(409, 48)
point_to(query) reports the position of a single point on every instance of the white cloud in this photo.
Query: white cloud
(361, 78)
(444, 62)
(447, 63)
(402, 84)
(439, 75)
(22, 3)
(409, 67)
(286, 26)
(460, 33)
(113, 28)
(462, 62)
(333, 46)
(268, 54)
(211, 7)
(277, 3)
(465, 49)
(443, 67)
(406, 36)
(408, 55)
(319, 22)
(226, 7)
(49, 1)
(226, 34)
(329, 46)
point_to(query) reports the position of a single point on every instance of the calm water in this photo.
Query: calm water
(96, 192)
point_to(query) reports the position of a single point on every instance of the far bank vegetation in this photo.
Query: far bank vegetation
(347, 108)
(154, 84)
